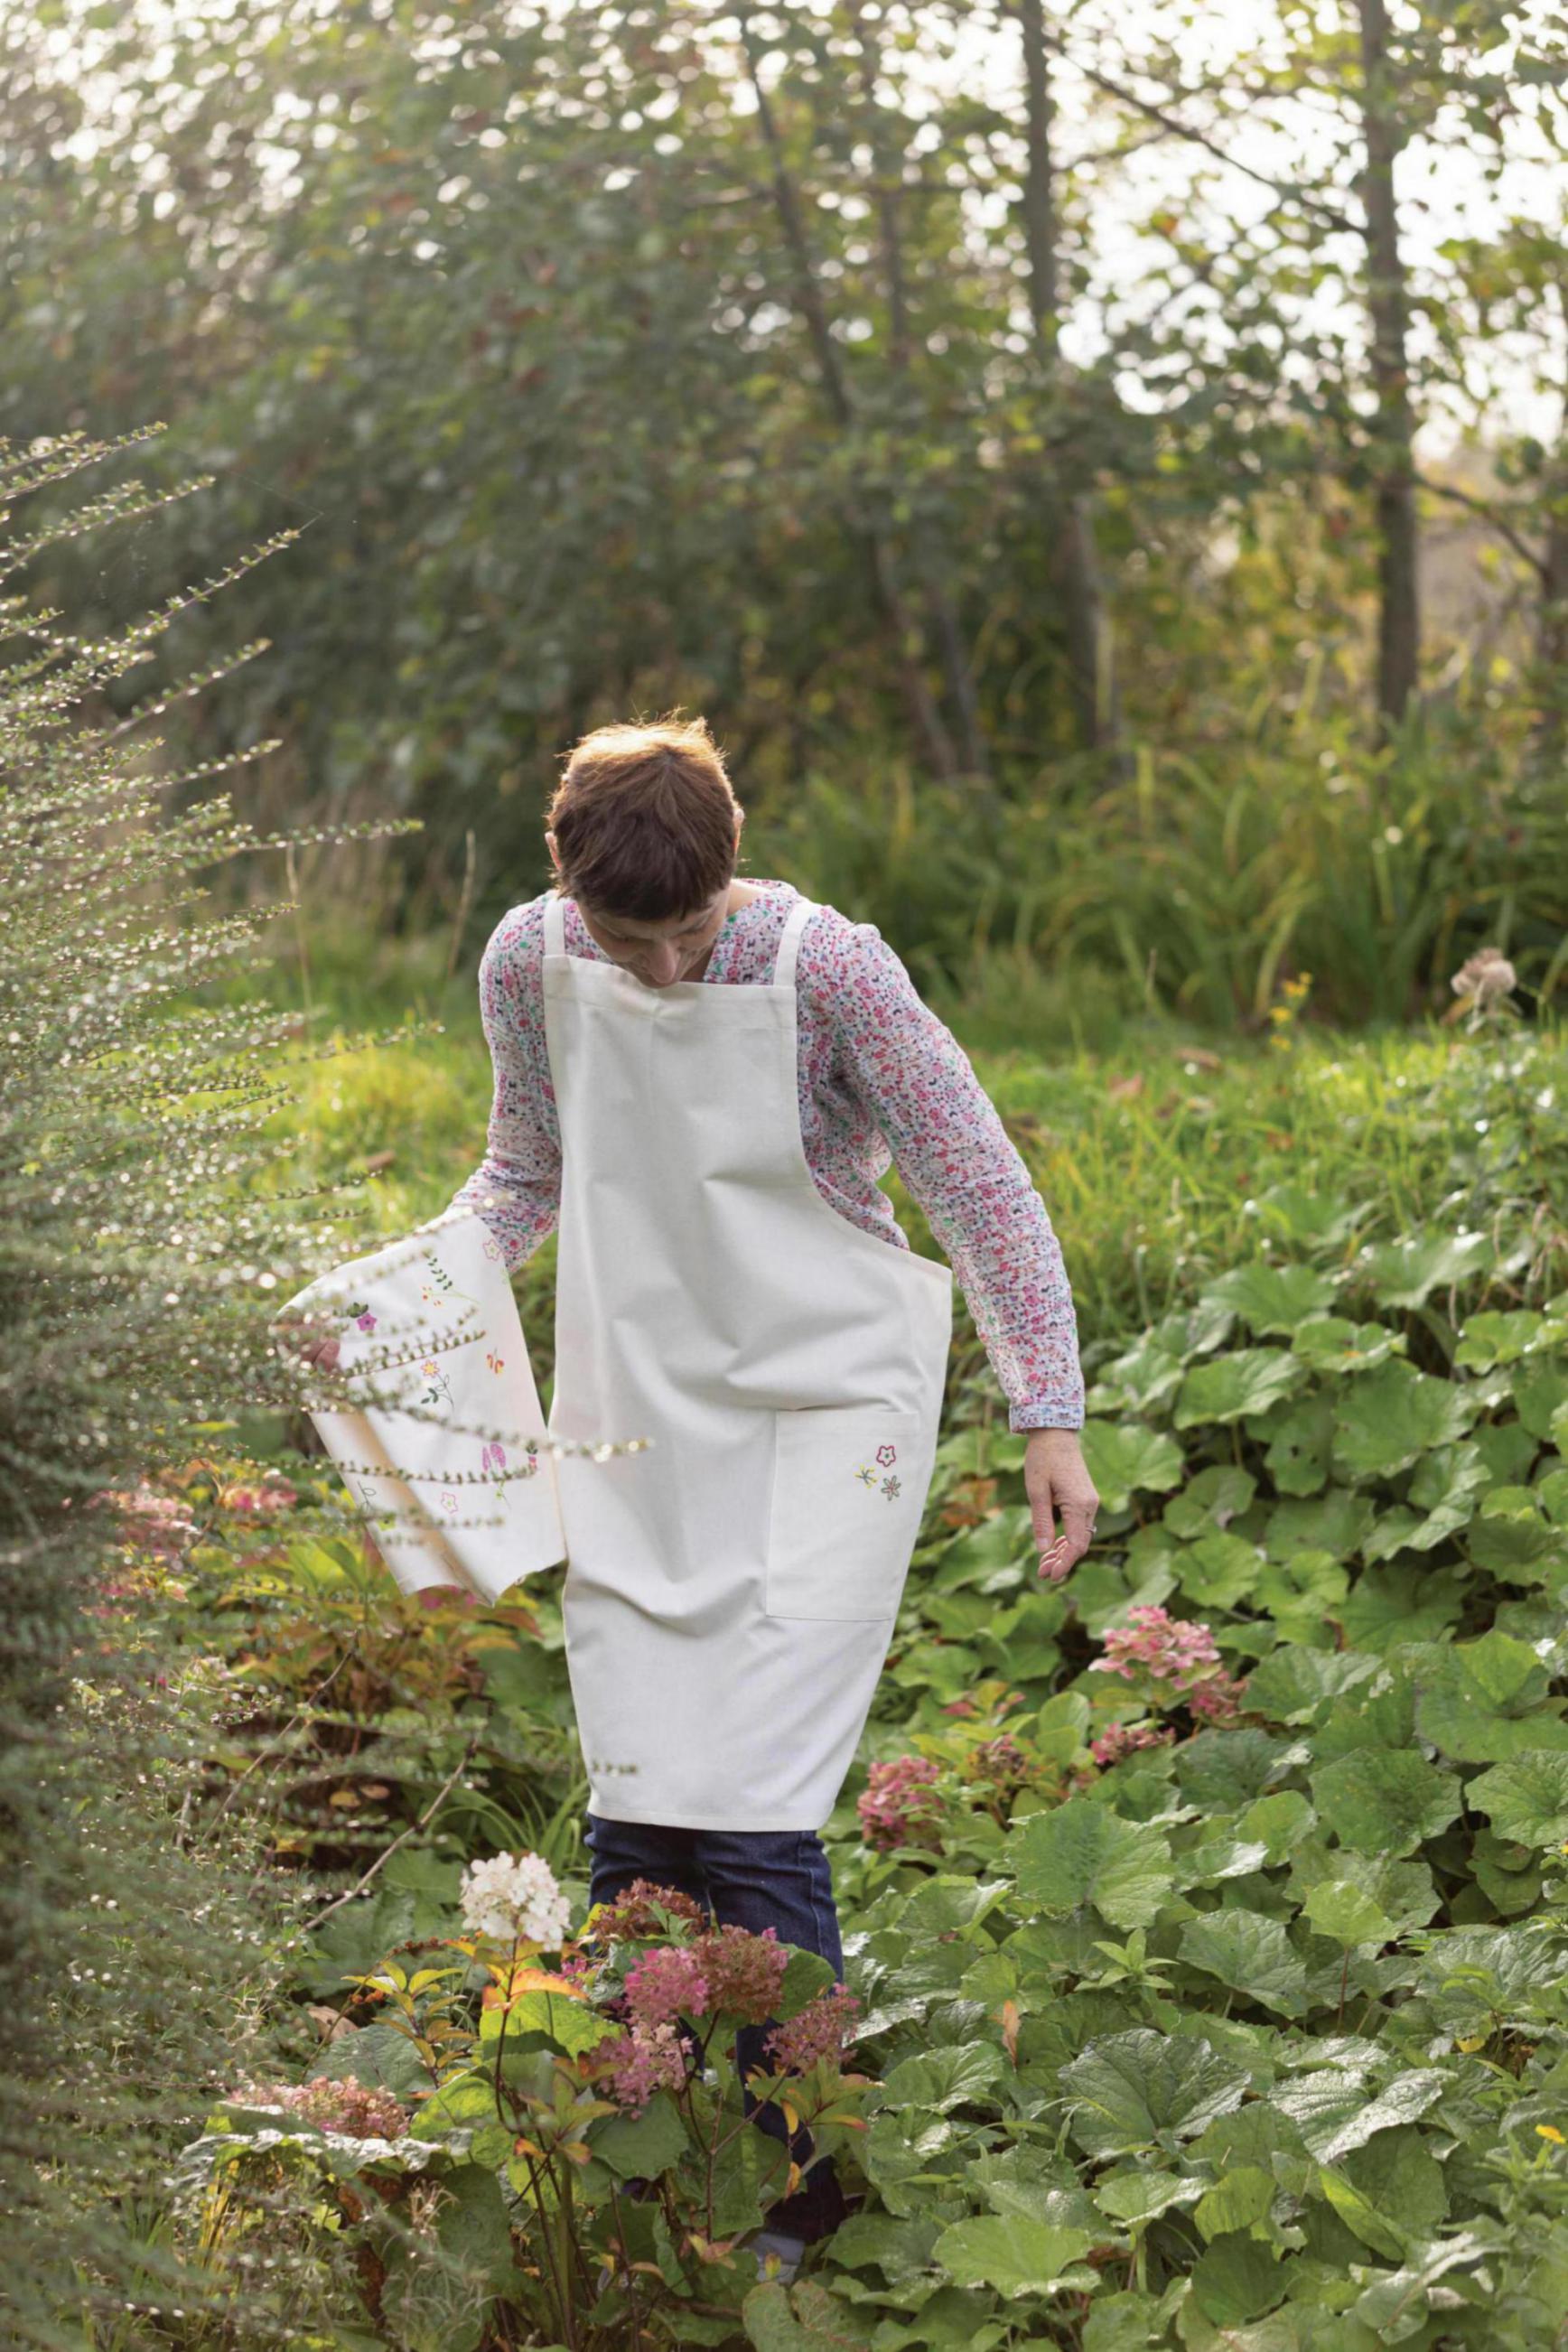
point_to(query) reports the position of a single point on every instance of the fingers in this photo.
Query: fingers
(1059, 1555)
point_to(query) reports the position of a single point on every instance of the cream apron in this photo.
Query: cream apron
(729, 1592)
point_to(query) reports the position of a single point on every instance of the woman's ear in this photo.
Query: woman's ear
(554, 853)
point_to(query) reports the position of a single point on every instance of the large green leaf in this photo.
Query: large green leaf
(1237, 2279)
(1527, 1798)
(1218, 1570)
(1335, 2112)
(1404, 1273)
(1250, 1953)
(1387, 1418)
(1240, 2197)
(1084, 1852)
(1513, 1542)
(640, 2147)
(1385, 1801)
(1220, 1771)
(1539, 1392)
(947, 2077)
(1124, 1457)
(1443, 1490)
(1293, 1685)
(1300, 1445)
(1336, 1522)
(1144, 2089)
(1331, 1345)
(1272, 1297)
(1481, 1702)
(1207, 1504)
(1012, 2255)
(1237, 1385)
(1503, 1336)
(1402, 1603)
(1348, 1914)
(1303, 1595)
(1398, 2303)
(807, 2317)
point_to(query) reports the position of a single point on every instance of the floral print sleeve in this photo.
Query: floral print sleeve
(517, 1187)
(880, 1079)
(958, 1161)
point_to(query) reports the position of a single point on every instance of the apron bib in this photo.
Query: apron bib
(732, 1591)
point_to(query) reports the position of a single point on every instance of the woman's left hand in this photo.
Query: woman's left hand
(1056, 1479)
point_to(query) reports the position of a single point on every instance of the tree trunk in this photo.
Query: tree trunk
(1399, 611)
(886, 590)
(1075, 558)
(1552, 625)
(930, 554)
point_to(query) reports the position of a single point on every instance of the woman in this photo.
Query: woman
(700, 1080)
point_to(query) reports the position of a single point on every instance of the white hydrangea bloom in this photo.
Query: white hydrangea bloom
(515, 1895)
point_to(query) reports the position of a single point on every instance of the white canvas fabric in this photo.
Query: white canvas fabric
(461, 1415)
(730, 1593)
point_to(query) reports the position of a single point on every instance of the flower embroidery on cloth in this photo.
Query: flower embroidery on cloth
(361, 1316)
(441, 1284)
(891, 1486)
(493, 1360)
(865, 1474)
(887, 1455)
(440, 1386)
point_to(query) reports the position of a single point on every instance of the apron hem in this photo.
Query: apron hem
(663, 1821)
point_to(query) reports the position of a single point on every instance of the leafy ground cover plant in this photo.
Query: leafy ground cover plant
(1204, 1914)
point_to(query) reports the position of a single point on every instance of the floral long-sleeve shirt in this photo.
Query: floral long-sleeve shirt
(880, 1080)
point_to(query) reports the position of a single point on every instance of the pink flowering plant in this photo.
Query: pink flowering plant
(594, 2075)
(1171, 1661)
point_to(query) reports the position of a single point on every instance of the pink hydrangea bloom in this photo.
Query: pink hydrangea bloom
(648, 2058)
(666, 1983)
(1125, 1739)
(1174, 1650)
(743, 1970)
(1218, 1699)
(821, 2031)
(899, 1805)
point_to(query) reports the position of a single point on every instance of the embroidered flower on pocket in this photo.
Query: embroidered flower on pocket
(865, 1474)
(887, 1455)
(891, 1486)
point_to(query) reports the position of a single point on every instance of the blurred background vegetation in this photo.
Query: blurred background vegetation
(1099, 469)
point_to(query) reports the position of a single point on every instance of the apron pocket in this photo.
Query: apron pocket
(850, 1487)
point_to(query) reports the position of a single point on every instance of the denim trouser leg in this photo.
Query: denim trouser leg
(752, 1879)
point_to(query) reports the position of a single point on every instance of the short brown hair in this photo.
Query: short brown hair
(644, 819)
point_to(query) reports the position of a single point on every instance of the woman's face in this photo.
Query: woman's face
(658, 953)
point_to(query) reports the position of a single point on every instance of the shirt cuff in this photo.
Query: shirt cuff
(1046, 1412)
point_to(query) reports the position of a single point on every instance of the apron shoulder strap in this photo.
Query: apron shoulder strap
(555, 924)
(799, 915)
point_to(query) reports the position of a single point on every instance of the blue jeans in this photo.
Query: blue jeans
(753, 1879)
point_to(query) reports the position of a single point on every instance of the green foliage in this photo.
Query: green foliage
(135, 1939)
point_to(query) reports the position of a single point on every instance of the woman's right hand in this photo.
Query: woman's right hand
(314, 1346)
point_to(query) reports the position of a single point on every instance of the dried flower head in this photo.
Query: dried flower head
(1484, 978)
(743, 1970)
(1125, 1739)
(634, 1912)
(822, 2029)
(899, 1805)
